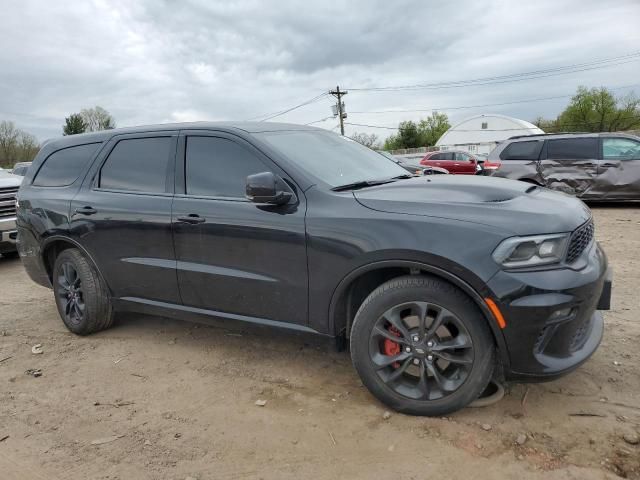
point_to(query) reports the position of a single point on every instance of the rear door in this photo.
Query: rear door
(571, 165)
(619, 173)
(236, 258)
(122, 216)
(464, 163)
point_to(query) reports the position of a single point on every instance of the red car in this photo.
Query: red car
(459, 162)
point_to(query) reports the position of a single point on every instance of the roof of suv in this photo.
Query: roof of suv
(571, 134)
(249, 127)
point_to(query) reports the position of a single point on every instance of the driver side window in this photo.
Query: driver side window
(218, 167)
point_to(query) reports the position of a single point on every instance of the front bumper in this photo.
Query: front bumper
(553, 325)
(8, 234)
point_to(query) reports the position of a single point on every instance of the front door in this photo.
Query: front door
(122, 216)
(619, 175)
(235, 257)
(570, 165)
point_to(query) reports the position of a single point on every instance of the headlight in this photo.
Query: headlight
(531, 251)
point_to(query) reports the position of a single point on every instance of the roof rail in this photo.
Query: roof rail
(547, 134)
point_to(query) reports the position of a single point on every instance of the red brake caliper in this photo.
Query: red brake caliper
(391, 348)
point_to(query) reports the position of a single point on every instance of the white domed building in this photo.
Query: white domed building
(481, 133)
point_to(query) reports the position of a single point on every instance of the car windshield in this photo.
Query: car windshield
(331, 158)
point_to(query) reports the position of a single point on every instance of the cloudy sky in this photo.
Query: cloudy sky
(162, 61)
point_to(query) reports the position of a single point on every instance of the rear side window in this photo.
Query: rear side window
(137, 164)
(219, 167)
(522, 151)
(572, 148)
(63, 167)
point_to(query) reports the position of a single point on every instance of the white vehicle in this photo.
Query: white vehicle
(9, 185)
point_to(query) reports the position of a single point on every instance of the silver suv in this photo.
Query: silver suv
(592, 166)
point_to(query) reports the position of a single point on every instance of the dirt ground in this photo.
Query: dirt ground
(159, 399)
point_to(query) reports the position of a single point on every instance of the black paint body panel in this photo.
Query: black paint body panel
(287, 265)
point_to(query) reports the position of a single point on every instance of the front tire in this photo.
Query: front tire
(81, 295)
(421, 346)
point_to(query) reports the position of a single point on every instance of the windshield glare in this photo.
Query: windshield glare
(331, 158)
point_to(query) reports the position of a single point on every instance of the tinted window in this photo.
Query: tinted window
(620, 148)
(64, 166)
(437, 156)
(572, 148)
(138, 164)
(219, 167)
(522, 151)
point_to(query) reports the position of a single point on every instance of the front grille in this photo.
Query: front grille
(580, 239)
(8, 201)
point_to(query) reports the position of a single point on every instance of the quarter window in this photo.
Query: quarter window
(529, 150)
(620, 148)
(63, 167)
(219, 167)
(573, 148)
(137, 164)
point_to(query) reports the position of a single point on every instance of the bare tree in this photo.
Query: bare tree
(370, 141)
(16, 145)
(96, 119)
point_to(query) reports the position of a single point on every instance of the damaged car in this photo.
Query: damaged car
(591, 166)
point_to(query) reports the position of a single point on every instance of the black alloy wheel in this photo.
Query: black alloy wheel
(81, 295)
(434, 350)
(70, 294)
(422, 346)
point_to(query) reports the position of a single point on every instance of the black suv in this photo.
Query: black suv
(439, 282)
(592, 166)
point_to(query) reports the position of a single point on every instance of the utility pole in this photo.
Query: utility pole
(340, 107)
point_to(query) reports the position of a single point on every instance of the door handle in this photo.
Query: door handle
(192, 218)
(86, 210)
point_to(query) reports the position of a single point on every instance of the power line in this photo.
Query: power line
(271, 115)
(581, 67)
(440, 109)
(321, 120)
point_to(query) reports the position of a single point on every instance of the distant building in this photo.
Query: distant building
(481, 133)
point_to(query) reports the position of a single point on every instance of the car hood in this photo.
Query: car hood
(9, 180)
(515, 207)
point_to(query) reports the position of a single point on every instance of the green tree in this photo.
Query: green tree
(74, 124)
(97, 119)
(598, 110)
(432, 128)
(425, 134)
(408, 136)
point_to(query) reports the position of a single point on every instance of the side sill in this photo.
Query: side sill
(182, 312)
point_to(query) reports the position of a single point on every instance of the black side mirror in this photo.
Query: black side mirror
(265, 187)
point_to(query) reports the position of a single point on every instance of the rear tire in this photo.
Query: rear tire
(421, 346)
(81, 295)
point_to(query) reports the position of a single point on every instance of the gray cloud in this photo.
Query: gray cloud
(150, 62)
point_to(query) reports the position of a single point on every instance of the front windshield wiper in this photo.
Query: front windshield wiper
(401, 177)
(361, 184)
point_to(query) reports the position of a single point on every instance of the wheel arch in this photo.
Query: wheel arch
(357, 285)
(54, 245)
